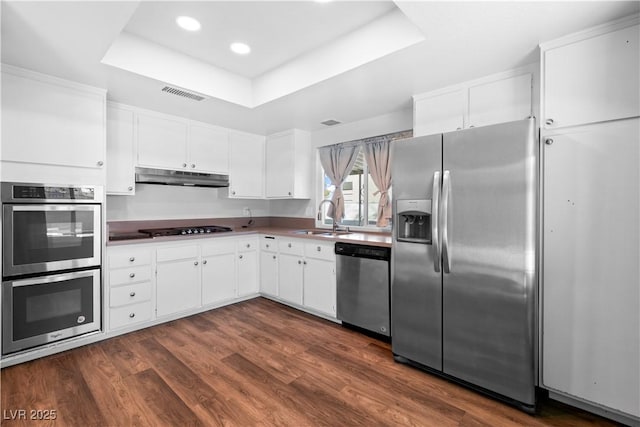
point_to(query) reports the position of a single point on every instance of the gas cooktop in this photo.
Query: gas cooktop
(185, 231)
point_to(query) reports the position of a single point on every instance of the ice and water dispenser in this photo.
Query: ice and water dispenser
(414, 221)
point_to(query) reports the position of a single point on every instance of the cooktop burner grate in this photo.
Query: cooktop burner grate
(185, 231)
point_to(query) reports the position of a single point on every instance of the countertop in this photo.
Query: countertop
(356, 237)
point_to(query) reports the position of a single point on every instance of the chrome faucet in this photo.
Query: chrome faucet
(335, 225)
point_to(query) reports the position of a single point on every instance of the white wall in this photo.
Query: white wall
(374, 126)
(174, 202)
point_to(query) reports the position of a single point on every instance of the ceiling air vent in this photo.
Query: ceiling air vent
(330, 122)
(183, 93)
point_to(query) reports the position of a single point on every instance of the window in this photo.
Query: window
(361, 196)
(360, 202)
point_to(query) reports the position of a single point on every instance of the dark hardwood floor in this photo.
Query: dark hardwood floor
(252, 363)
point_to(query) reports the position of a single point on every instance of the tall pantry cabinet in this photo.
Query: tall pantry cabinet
(590, 146)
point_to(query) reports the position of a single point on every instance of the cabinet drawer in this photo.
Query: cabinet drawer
(269, 243)
(130, 294)
(219, 247)
(248, 244)
(129, 258)
(291, 246)
(320, 250)
(177, 253)
(125, 276)
(130, 314)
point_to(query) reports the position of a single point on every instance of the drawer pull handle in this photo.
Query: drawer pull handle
(549, 122)
(240, 256)
(274, 257)
(319, 249)
(132, 294)
(289, 245)
(132, 315)
(132, 259)
(195, 263)
(299, 262)
(248, 245)
(204, 262)
(267, 245)
(132, 275)
(304, 262)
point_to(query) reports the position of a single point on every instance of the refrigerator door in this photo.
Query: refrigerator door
(416, 287)
(489, 257)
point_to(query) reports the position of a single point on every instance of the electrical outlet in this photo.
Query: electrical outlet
(246, 212)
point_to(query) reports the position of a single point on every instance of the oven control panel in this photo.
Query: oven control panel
(14, 192)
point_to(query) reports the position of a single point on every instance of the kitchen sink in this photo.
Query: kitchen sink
(321, 233)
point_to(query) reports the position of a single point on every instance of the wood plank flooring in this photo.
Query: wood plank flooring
(256, 363)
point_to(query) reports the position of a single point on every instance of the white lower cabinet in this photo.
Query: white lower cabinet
(219, 276)
(130, 286)
(149, 283)
(307, 274)
(248, 278)
(320, 278)
(269, 265)
(290, 278)
(177, 280)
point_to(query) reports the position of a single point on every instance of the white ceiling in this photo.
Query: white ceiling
(464, 40)
(292, 28)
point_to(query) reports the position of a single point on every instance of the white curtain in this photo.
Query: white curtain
(378, 157)
(337, 161)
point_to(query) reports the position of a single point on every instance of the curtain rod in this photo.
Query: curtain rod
(389, 136)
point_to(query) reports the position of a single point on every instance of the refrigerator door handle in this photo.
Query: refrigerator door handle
(444, 225)
(435, 210)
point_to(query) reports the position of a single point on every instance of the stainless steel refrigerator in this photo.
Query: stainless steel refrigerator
(464, 285)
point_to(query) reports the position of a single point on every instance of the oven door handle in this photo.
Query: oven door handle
(53, 278)
(32, 208)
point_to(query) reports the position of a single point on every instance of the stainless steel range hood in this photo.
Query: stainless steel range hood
(172, 177)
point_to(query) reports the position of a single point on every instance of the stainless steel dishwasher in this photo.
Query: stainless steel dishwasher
(363, 286)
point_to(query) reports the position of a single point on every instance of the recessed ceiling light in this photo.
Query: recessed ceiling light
(240, 48)
(188, 23)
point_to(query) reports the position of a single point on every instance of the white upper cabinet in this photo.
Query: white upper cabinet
(178, 144)
(120, 150)
(591, 80)
(246, 165)
(497, 98)
(50, 121)
(162, 142)
(208, 149)
(501, 101)
(438, 113)
(288, 165)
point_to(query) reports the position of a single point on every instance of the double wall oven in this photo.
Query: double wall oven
(51, 256)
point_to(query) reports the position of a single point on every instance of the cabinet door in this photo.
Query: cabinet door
(500, 101)
(246, 165)
(269, 273)
(49, 123)
(218, 278)
(290, 277)
(162, 142)
(177, 286)
(591, 297)
(592, 80)
(248, 273)
(320, 286)
(208, 149)
(279, 165)
(120, 151)
(440, 113)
